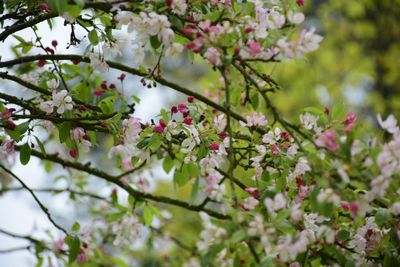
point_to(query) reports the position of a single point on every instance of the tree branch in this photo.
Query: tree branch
(42, 207)
(114, 179)
(132, 71)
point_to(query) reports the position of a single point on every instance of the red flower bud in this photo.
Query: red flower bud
(41, 62)
(121, 77)
(188, 120)
(214, 146)
(190, 99)
(73, 152)
(98, 92)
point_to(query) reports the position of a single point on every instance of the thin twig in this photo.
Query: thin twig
(42, 207)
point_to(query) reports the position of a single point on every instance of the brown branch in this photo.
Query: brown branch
(114, 179)
(132, 71)
(20, 26)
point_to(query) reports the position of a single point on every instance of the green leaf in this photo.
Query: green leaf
(107, 105)
(195, 189)
(76, 227)
(181, 177)
(115, 216)
(148, 214)
(382, 217)
(176, 22)
(164, 115)
(192, 169)
(41, 146)
(14, 134)
(93, 37)
(168, 164)
(155, 43)
(1, 6)
(58, 5)
(254, 100)
(74, 245)
(343, 235)
(74, 10)
(238, 236)
(23, 127)
(25, 154)
(64, 130)
(136, 99)
(338, 111)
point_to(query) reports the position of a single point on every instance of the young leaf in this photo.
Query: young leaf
(25, 154)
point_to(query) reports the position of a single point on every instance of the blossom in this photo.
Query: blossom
(210, 234)
(213, 56)
(52, 84)
(277, 203)
(249, 203)
(255, 119)
(328, 196)
(379, 186)
(97, 63)
(308, 41)
(395, 208)
(328, 140)
(82, 139)
(390, 124)
(179, 7)
(255, 48)
(127, 230)
(308, 121)
(220, 122)
(62, 101)
(349, 122)
(272, 136)
(46, 106)
(295, 18)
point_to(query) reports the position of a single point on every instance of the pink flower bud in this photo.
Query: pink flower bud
(98, 92)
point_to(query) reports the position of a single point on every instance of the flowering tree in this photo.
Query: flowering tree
(263, 191)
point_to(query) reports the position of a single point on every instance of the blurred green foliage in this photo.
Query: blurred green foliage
(358, 62)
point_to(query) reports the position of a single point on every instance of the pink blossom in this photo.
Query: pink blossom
(349, 122)
(328, 140)
(213, 56)
(196, 45)
(255, 48)
(82, 258)
(249, 203)
(182, 107)
(275, 149)
(253, 191)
